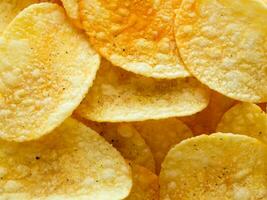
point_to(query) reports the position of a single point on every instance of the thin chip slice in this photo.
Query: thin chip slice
(206, 121)
(162, 135)
(135, 35)
(126, 139)
(219, 166)
(145, 184)
(247, 119)
(120, 96)
(46, 68)
(73, 162)
(72, 10)
(224, 44)
(10, 8)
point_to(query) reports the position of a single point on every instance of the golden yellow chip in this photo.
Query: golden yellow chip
(118, 95)
(135, 35)
(161, 135)
(73, 162)
(145, 184)
(46, 68)
(72, 10)
(206, 121)
(126, 139)
(223, 44)
(219, 166)
(247, 119)
(10, 8)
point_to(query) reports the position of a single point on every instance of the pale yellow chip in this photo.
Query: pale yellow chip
(145, 184)
(118, 95)
(219, 166)
(127, 140)
(10, 8)
(73, 162)
(135, 35)
(162, 135)
(247, 119)
(46, 68)
(224, 44)
(206, 121)
(72, 10)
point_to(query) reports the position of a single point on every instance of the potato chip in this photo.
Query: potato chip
(9, 9)
(145, 184)
(72, 10)
(73, 162)
(126, 139)
(206, 121)
(223, 44)
(219, 166)
(135, 35)
(247, 119)
(46, 68)
(161, 135)
(118, 95)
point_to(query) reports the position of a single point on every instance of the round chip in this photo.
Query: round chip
(135, 35)
(219, 166)
(162, 135)
(126, 139)
(145, 184)
(72, 10)
(206, 121)
(10, 8)
(46, 69)
(247, 119)
(224, 44)
(73, 162)
(120, 96)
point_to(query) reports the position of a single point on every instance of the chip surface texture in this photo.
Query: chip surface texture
(219, 166)
(224, 45)
(46, 68)
(136, 35)
(73, 162)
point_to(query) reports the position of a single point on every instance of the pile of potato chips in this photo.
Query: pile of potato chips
(133, 99)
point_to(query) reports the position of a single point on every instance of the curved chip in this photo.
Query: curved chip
(145, 184)
(247, 119)
(162, 135)
(73, 162)
(218, 166)
(10, 8)
(72, 10)
(46, 68)
(206, 121)
(223, 44)
(120, 96)
(135, 35)
(126, 139)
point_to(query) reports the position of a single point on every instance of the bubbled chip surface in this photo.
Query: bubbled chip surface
(73, 162)
(135, 35)
(47, 68)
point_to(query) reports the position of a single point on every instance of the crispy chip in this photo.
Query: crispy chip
(118, 95)
(206, 121)
(73, 162)
(247, 119)
(219, 166)
(145, 184)
(161, 135)
(46, 67)
(135, 35)
(10, 8)
(72, 10)
(126, 139)
(223, 44)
